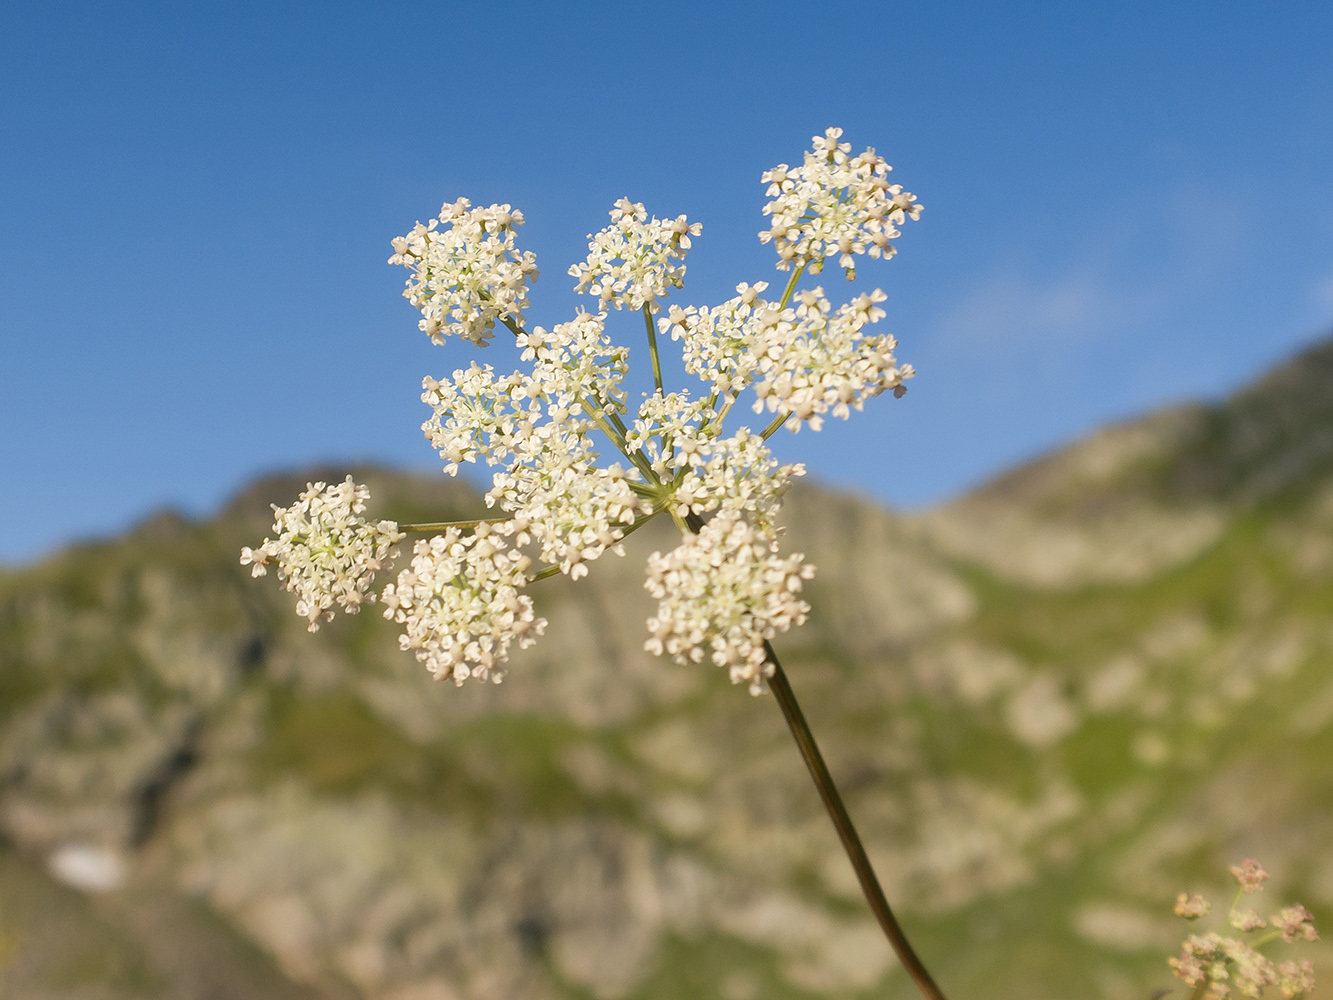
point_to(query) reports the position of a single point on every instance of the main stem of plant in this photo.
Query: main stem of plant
(791, 708)
(842, 822)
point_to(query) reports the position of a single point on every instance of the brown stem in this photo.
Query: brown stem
(842, 822)
(851, 842)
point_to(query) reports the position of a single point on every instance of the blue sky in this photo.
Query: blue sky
(1127, 205)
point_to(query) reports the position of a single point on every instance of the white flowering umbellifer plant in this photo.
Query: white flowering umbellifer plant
(1215, 965)
(726, 590)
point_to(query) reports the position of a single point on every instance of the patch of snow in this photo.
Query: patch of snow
(88, 868)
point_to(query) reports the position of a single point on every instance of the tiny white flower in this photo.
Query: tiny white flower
(721, 594)
(635, 261)
(466, 271)
(460, 603)
(325, 551)
(834, 204)
(814, 360)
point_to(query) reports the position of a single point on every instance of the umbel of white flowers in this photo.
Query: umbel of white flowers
(726, 588)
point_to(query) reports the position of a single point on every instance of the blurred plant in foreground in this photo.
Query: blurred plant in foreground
(1215, 965)
(726, 590)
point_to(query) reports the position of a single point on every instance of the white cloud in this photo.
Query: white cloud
(1015, 310)
(1129, 269)
(1322, 294)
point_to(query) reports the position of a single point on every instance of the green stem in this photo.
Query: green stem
(618, 423)
(781, 418)
(791, 286)
(549, 571)
(772, 428)
(636, 458)
(617, 439)
(1235, 901)
(720, 415)
(652, 347)
(445, 525)
(599, 418)
(842, 822)
(639, 524)
(1264, 939)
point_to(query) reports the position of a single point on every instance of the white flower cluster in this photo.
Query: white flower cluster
(635, 261)
(722, 345)
(1223, 963)
(468, 274)
(1295, 979)
(724, 592)
(806, 361)
(737, 474)
(834, 203)
(667, 430)
(708, 472)
(460, 605)
(1214, 965)
(726, 589)
(326, 553)
(819, 361)
(538, 427)
(577, 361)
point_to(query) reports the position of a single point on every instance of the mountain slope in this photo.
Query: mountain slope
(1139, 497)
(1038, 758)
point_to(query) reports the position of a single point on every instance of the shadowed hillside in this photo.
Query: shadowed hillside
(1052, 704)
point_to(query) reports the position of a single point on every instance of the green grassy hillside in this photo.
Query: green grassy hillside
(1052, 705)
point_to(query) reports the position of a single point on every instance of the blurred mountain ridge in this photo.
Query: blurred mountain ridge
(1138, 497)
(1052, 704)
